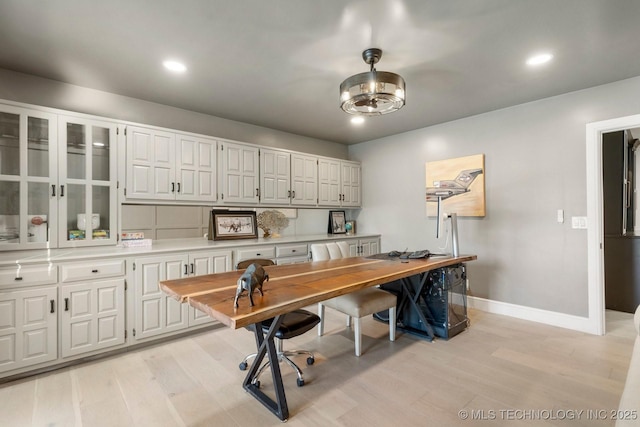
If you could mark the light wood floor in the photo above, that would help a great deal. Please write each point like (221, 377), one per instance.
(498, 369)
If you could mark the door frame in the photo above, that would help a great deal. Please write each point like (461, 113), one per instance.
(595, 216)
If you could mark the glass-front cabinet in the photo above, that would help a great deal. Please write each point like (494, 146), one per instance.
(28, 178)
(87, 182)
(57, 180)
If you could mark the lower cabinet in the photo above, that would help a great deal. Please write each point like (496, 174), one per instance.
(155, 312)
(28, 327)
(364, 247)
(92, 316)
(91, 306)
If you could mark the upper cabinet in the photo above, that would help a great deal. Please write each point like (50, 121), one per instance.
(239, 173)
(57, 180)
(339, 183)
(169, 166)
(87, 182)
(288, 178)
(28, 179)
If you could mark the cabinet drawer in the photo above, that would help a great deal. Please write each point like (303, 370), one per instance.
(291, 250)
(92, 270)
(28, 276)
(261, 252)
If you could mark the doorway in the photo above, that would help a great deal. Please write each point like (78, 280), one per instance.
(595, 217)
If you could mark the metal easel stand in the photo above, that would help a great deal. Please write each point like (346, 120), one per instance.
(266, 345)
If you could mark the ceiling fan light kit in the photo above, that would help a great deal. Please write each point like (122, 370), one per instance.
(372, 93)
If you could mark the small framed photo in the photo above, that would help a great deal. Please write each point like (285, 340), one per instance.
(232, 225)
(337, 222)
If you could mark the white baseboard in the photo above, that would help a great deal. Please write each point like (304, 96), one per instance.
(568, 321)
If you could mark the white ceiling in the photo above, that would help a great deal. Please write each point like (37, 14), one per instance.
(278, 63)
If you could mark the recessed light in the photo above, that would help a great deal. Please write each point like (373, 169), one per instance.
(357, 120)
(175, 66)
(539, 59)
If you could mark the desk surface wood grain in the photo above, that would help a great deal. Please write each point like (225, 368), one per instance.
(294, 286)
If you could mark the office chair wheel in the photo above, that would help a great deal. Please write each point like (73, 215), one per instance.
(243, 366)
(300, 382)
(310, 360)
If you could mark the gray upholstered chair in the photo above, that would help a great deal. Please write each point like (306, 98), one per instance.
(293, 324)
(357, 304)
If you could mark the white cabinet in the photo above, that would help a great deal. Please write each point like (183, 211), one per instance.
(292, 254)
(304, 180)
(92, 306)
(28, 327)
(56, 174)
(275, 177)
(170, 166)
(339, 183)
(155, 312)
(239, 173)
(87, 194)
(28, 179)
(364, 247)
(288, 178)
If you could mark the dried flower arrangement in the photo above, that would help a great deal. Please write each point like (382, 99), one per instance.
(272, 222)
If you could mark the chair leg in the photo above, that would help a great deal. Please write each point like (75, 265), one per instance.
(321, 315)
(357, 335)
(392, 323)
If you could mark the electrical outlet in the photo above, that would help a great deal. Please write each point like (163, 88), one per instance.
(579, 222)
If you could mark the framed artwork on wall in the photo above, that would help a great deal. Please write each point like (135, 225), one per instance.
(337, 222)
(457, 185)
(232, 225)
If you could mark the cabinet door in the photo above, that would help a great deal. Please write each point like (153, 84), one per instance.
(350, 178)
(195, 169)
(28, 327)
(240, 183)
(208, 262)
(275, 187)
(28, 179)
(92, 316)
(87, 197)
(329, 182)
(150, 164)
(304, 180)
(155, 312)
(369, 247)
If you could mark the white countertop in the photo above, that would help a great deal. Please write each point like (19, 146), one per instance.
(10, 258)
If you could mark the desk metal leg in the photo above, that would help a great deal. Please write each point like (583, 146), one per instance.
(266, 345)
(413, 300)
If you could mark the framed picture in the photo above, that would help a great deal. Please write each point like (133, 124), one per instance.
(337, 222)
(232, 225)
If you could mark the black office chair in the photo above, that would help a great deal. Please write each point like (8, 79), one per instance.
(293, 324)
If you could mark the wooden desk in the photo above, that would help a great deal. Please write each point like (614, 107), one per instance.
(290, 287)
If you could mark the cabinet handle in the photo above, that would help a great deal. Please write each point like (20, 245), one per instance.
(53, 190)
(289, 193)
(192, 268)
(173, 187)
(294, 194)
(52, 303)
(178, 187)
(186, 269)
(94, 271)
(62, 191)
(66, 304)
(257, 192)
(18, 278)
(293, 250)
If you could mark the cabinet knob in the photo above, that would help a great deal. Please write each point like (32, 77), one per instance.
(94, 271)
(18, 279)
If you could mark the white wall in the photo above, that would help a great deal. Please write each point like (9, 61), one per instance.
(535, 164)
